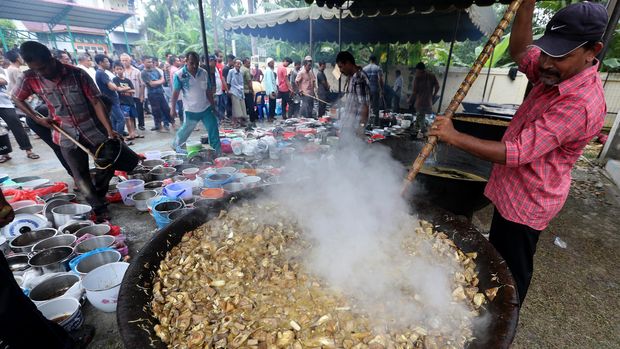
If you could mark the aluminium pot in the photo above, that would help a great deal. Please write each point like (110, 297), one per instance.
(136, 290)
(24, 242)
(54, 241)
(94, 243)
(54, 287)
(53, 260)
(70, 212)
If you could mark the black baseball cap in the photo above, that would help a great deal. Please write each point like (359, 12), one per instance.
(572, 27)
(212, 58)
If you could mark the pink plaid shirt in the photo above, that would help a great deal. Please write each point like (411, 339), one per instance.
(543, 141)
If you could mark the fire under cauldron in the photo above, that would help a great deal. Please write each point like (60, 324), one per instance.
(460, 196)
(136, 321)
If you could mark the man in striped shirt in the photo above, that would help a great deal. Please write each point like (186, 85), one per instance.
(75, 105)
(566, 108)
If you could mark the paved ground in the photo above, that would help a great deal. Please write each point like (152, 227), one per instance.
(574, 300)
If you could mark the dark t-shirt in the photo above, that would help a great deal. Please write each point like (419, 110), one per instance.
(321, 81)
(125, 98)
(102, 80)
(226, 69)
(152, 75)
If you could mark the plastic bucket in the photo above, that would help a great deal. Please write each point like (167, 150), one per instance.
(129, 187)
(102, 285)
(64, 311)
(212, 193)
(250, 181)
(116, 154)
(178, 190)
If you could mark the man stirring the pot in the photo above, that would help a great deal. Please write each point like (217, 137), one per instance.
(75, 106)
(563, 112)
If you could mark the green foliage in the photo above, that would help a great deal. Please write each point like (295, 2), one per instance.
(10, 40)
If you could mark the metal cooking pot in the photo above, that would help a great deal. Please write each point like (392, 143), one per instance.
(73, 226)
(4, 246)
(141, 198)
(54, 241)
(66, 213)
(54, 287)
(96, 230)
(18, 262)
(165, 208)
(26, 241)
(94, 243)
(161, 173)
(93, 261)
(53, 260)
(136, 290)
(32, 209)
(65, 196)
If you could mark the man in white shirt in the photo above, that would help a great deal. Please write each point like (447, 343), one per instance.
(270, 82)
(132, 73)
(237, 97)
(220, 88)
(85, 63)
(13, 71)
(193, 82)
(398, 89)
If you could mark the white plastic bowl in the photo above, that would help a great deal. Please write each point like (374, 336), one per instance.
(102, 285)
(63, 307)
(250, 181)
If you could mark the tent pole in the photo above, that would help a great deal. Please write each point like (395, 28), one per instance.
(340, 46)
(310, 20)
(613, 10)
(445, 75)
(387, 65)
(71, 38)
(126, 40)
(203, 34)
(53, 36)
(4, 45)
(486, 82)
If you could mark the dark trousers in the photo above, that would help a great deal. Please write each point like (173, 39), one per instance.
(322, 106)
(94, 189)
(516, 243)
(46, 136)
(293, 108)
(160, 109)
(307, 106)
(375, 103)
(272, 108)
(249, 106)
(22, 326)
(140, 111)
(12, 122)
(286, 102)
(228, 106)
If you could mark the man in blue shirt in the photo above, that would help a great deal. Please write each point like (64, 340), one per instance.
(108, 88)
(375, 78)
(153, 81)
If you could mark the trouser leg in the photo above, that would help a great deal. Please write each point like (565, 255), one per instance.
(12, 122)
(139, 111)
(46, 136)
(286, 97)
(180, 110)
(78, 162)
(210, 123)
(308, 106)
(516, 243)
(272, 108)
(155, 110)
(165, 112)
(184, 132)
(118, 119)
(374, 103)
(229, 106)
(249, 106)
(322, 106)
(22, 326)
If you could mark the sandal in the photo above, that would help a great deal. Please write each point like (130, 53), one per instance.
(4, 159)
(139, 136)
(33, 156)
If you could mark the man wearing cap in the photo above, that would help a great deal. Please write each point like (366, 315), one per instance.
(562, 113)
(270, 82)
(306, 81)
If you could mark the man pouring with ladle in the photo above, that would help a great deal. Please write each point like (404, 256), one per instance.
(565, 109)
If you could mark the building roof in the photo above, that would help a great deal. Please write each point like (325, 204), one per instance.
(60, 28)
(60, 12)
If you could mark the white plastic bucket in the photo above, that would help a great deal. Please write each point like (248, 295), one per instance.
(178, 190)
(102, 285)
(129, 187)
(67, 308)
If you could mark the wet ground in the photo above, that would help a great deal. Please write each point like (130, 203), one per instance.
(574, 299)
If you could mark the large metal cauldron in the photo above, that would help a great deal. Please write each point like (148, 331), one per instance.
(136, 322)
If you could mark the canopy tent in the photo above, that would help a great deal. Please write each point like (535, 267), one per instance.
(54, 12)
(434, 26)
(390, 7)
